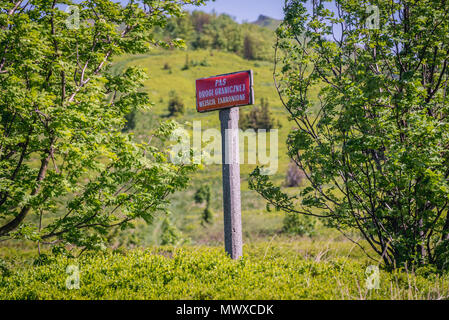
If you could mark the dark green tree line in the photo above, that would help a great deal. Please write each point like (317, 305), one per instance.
(220, 32)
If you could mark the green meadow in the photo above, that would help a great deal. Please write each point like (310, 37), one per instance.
(301, 269)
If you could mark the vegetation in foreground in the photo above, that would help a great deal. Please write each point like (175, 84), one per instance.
(277, 270)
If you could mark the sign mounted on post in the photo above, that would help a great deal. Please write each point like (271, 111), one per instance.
(224, 91)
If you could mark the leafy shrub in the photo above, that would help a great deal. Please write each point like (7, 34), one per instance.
(42, 259)
(175, 104)
(203, 195)
(202, 63)
(4, 269)
(169, 233)
(297, 224)
(258, 118)
(249, 47)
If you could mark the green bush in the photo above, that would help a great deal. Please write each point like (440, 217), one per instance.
(4, 268)
(175, 104)
(298, 224)
(207, 273)
(258, 118)
(169, 233)
(203, 195)
(202, 63)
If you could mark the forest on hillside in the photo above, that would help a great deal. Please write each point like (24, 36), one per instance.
(201, 30)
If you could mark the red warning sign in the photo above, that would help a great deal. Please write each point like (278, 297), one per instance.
(224, 91)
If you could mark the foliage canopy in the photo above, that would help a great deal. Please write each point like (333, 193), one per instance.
(375, 146)
(64, 162)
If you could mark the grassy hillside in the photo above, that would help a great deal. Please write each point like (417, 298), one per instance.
(165, 69)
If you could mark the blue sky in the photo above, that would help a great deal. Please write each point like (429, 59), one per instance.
(243, 10)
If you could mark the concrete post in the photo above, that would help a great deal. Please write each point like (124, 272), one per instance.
(229, 119)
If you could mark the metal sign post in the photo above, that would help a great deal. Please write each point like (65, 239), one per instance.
(226, 93)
